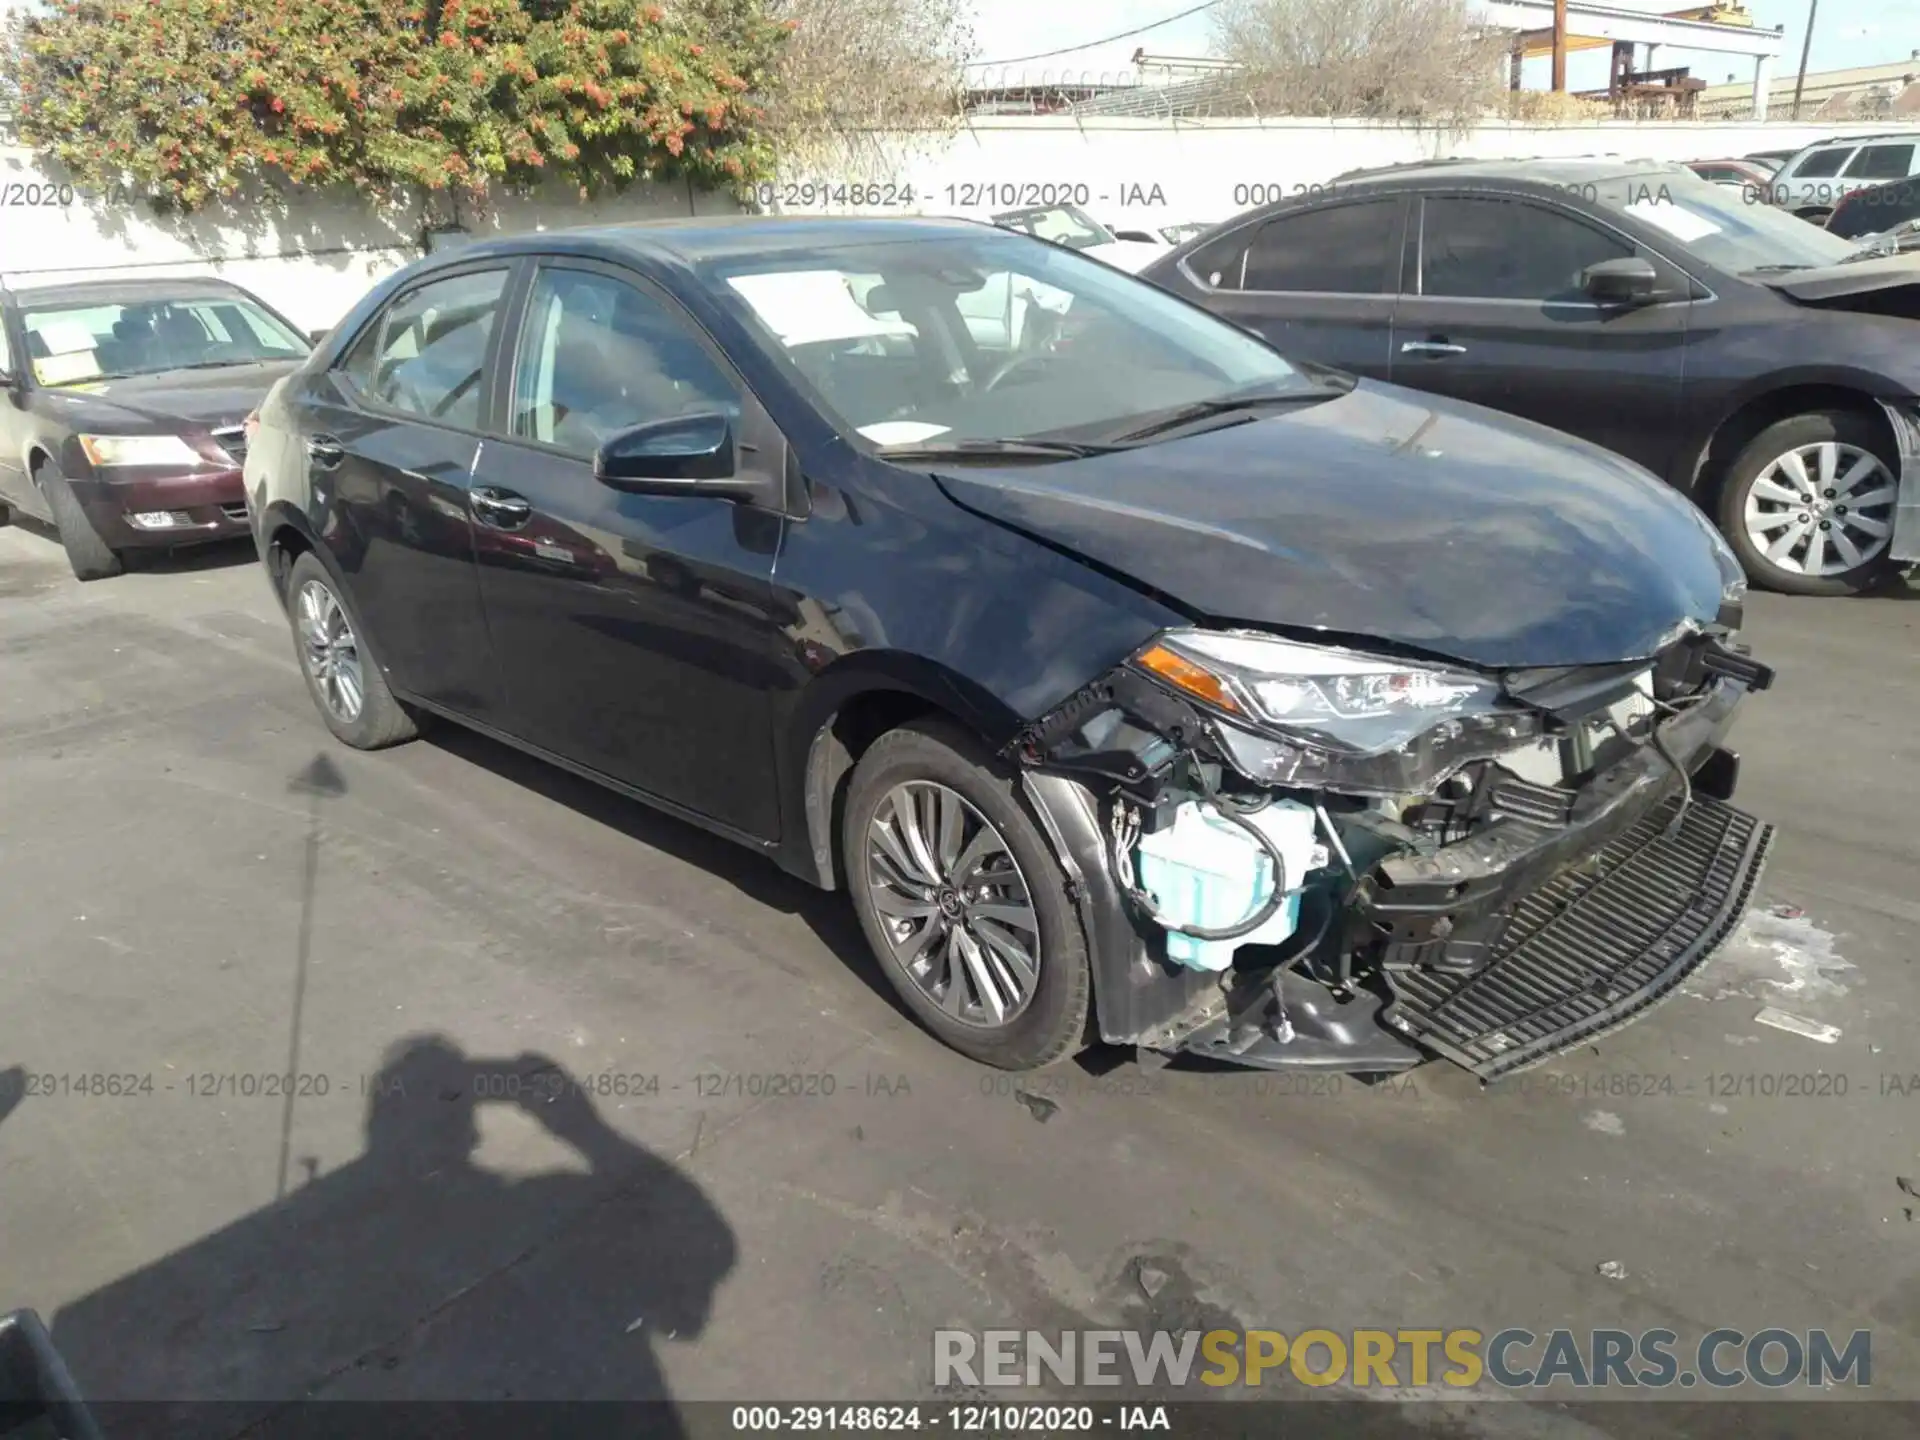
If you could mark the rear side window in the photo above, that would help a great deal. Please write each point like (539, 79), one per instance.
(1490, 249)
(1340, 250)
(426, 353)
(1822, 164)
(1881, 162)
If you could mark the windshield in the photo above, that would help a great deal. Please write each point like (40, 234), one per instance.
(1732, 229)
(1066, 225)
(73, 344)
(987, 337)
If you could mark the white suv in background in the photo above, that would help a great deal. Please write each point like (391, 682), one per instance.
(1813, 182)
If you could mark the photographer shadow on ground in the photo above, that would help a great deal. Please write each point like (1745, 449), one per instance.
(412, 1273)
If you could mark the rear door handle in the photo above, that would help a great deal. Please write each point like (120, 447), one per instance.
(324, 451)
(502, 509)
(1431, 347)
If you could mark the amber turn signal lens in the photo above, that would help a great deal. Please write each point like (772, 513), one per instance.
(1183, 674)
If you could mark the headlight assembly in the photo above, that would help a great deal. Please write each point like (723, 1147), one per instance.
(111, 450)
(1320, 717)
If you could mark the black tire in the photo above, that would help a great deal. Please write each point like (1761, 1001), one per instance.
(380, 719)
(1054, 1021)
(1782, 438)
(89, 555)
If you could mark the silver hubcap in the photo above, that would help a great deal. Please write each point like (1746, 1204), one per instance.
(1822, 509)
(953, 904)
(331, 652)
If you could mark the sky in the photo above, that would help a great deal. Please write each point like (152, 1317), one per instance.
(1847, 32)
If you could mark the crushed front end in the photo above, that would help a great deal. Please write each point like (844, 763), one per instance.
(1340, 860)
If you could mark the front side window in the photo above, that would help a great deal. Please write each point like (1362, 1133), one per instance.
(985, 337)
(1881, 162)
(1822, 165)
(599, 356)
(1341, 250)
(1482, 248)
(72, 344)
(426, 353)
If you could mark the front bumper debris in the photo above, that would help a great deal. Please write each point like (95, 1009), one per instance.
(1497, 921)
(1593, 947)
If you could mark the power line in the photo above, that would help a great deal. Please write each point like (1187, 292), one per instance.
(1089, 44)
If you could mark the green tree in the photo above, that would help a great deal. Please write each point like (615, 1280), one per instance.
(189, 100)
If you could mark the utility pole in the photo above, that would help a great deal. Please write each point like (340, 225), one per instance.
(1806, 49)
(1560, 45)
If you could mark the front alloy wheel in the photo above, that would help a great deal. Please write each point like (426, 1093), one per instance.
(956, 910)
(1809, 504)
(963, 899)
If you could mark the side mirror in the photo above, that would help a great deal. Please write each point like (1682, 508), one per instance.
(318, 337)
(686, 455)
(1630, 281)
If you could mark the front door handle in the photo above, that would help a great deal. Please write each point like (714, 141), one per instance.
(324, 451)
(1432, 347)
(502, 509)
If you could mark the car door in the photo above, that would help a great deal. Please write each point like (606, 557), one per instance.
(1316, 283)
(13, 422)
(391, 433)
(637, 633)
(1496, 314)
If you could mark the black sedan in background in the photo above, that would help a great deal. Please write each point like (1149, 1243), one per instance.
(1135, 682)
(121, 410)
(1764, 367)
(1877, 210)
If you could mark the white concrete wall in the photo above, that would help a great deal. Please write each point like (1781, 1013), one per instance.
(317, 257)
(311, 260)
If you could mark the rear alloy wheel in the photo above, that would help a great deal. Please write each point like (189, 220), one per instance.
(1809, 505)
(87, 553)
(347, 686)
(963, 901)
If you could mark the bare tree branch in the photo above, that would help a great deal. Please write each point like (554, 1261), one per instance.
(1428, 61)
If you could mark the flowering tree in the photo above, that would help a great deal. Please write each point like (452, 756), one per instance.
(190, 99)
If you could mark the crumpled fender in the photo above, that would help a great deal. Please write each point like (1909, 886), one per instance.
(1905, 543)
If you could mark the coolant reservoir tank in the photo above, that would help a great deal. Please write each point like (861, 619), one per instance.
(1206, 871)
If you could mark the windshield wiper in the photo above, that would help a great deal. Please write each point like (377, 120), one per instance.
(1224, 405)
(1010, 447)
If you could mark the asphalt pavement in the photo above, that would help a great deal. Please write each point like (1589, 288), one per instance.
(585, 1103)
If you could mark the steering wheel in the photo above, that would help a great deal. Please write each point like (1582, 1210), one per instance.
(1012, 366)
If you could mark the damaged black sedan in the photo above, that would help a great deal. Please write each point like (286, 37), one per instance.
(1138, 684)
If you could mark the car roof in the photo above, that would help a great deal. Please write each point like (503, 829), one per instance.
(695, 239)
(117, 292)
(1544, 171)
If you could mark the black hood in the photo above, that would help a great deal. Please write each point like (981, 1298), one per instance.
(1853, 277)
(208, 398)
(1385, 514)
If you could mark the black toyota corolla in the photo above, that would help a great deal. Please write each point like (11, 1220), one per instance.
(1136, 683)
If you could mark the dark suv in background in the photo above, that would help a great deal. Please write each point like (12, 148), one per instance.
(122, 410)
(1764, 367)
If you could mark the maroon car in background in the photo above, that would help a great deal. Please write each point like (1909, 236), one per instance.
(123, 406)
